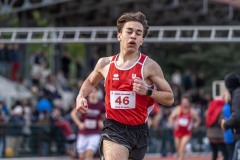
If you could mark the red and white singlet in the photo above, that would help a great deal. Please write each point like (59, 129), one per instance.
(122, 104)
(184, 122)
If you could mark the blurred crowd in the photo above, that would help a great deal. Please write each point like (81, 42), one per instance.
(10, 60)
(53, 98)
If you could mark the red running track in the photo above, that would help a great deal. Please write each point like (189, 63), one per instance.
(207, 157)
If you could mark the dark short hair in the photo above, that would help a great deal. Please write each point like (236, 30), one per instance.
(187, 96)
(232, 81)
(133, 16)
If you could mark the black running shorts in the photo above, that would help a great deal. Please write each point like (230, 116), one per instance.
(135, 138)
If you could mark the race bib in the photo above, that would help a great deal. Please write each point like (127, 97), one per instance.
(90, 123)
(183, 122)
(122, 99)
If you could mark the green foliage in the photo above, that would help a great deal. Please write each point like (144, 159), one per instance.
(76, 50)
(40, 20)
(43, 47)
(9, 20)
(214, 60)
(14, 22)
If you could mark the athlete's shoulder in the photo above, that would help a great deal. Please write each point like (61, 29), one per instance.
(150, 61)
(104, 61)
(178, 108)
(150, 64)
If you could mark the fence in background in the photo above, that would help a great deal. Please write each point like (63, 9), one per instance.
(48, 141)
(104, 34)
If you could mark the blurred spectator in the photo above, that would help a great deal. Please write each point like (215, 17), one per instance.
(2, 130)
(93, 60)
(200, 80)
(44, 134)
(14, 137)
(50, 89)
(166, 135)
(36, 74)
(24, 81)
(39, 63)
(36, 71)
(62, 81)
(187, 80)
(2, 59)
(79, 68)
(153, 124)
(177, 92)
(8, 59)
(177, 78)
(65, 128)
(101, 91)
(65, 63)
(228, 134)
(214, 131)
(44, 105)
(232, 82)
(15, 60)
(27, 116)
(76, 87)
(39, 57)
(4, 109)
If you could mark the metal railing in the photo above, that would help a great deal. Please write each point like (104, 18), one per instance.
(158, 34)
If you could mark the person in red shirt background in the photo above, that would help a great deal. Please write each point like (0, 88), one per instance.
(183, 118)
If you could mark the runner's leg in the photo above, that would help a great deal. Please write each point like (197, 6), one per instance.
(182, 146)
(112, 150)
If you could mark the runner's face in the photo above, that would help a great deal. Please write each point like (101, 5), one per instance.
(185, 103)
(131, 36)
